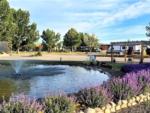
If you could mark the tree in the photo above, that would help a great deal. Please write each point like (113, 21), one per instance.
(15, 28)
(59, 45)
(82, 36)
(72, 39)
(50, 39)
(148, 30)
(91, 41)
(21, 19)
(33, 36)
(7, 27)
(4, 12)
(148, 34)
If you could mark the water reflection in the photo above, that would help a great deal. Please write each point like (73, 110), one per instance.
(7, 87)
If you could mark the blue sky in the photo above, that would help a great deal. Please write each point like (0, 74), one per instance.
(109, 20)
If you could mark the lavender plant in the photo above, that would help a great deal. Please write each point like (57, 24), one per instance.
(59, 104)
(21, 104)
(93, 97)
(139, 80)
(132, 84)
(119, 88)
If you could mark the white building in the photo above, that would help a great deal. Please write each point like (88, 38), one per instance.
(121, 47)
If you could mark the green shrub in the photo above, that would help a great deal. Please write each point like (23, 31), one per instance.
(146, 89)
(38, 54)
(86, 62)
(93, 97)
(59, 104)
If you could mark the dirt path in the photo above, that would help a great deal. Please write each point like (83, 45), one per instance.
(68, 57)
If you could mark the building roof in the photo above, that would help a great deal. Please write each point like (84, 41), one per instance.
(104, 44)
(124, 43)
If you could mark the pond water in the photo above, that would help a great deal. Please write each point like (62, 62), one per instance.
(40, 80)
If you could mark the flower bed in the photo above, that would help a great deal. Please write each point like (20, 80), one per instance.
(115, 89)
(123, 105)
(51, 104)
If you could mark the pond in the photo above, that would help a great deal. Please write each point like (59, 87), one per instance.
(39, 80)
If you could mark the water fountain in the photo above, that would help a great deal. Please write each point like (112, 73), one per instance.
(17, 66)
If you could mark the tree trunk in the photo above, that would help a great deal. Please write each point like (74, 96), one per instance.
(75, 49)
(18, 50)
(72, 49)
(112, 53)
(142, 53)
(48, 50)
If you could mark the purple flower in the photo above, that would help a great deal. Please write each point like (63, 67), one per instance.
(135, 67)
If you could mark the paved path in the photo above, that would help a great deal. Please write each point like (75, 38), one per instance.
(48, 57)
(69, 57)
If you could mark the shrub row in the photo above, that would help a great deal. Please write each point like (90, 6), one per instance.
(52, 104)
(134, 67)
(20, 104)
(130, 85)
(115, 89)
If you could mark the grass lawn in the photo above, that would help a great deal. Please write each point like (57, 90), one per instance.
(116, 69)
(46, 53)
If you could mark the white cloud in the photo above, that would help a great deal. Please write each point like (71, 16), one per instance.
(106, 13)
(85, 15)
(132, 11)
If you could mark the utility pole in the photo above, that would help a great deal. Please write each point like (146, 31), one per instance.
(142, 53)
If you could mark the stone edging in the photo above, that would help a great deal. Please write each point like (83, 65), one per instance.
(112, 107)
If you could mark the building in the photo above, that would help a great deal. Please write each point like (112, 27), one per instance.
(104, 47)
(134, 46)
